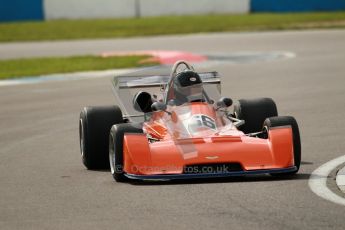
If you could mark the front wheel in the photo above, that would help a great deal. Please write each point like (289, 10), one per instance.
(254, 112)
(94, 126)
(287, 121)
(116, 135)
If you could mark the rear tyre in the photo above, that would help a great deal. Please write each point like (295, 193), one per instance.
(94, 126)
(254, 112)
(285, 121)
(117, 133)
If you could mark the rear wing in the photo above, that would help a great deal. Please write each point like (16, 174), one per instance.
(122, 82)
(125, 87)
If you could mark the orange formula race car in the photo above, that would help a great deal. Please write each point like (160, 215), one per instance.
(177, 126)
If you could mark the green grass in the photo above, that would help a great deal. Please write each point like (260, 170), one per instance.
(40, 66)
(113, 28)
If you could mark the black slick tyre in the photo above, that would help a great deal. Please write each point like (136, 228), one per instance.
(117, 133)
(94, 127)
(254, 112)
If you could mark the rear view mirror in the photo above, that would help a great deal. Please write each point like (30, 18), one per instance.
(224, 102)
(158, 106)
(142, 102)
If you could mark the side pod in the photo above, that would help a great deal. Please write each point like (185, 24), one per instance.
(136, 144)
(281, 144)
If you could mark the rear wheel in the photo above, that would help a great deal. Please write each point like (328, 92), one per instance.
(94, 126)
(254, 112)
(117, 133)
(287, 121)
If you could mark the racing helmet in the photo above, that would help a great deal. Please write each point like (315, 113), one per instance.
(188, 87)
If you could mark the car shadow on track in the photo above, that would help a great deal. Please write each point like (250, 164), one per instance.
(242, 179)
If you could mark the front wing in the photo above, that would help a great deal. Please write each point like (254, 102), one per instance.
(162, 177)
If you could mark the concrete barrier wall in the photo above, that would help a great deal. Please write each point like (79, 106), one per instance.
(73, 9)
(14, 10)
(189, 7)
(57, 9)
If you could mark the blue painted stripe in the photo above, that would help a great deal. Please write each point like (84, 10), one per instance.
(17, 10)
(296, 5)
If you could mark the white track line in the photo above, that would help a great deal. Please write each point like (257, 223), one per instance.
(66, 76)
(341, 179)
(318, 180)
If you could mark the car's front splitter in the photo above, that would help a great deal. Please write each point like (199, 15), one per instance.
(162, 177)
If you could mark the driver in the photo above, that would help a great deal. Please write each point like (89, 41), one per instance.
(187, 87)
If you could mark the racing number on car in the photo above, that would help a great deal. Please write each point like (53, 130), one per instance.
(208, 122)
(198, 122)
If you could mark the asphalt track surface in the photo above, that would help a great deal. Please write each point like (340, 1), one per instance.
(43, 184)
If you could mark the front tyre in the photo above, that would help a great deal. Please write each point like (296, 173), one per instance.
(116, 135)
(287, 121)
(254, 112)
(94, 126)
